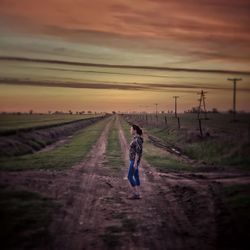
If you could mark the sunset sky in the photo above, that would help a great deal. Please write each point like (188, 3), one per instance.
(123, 55)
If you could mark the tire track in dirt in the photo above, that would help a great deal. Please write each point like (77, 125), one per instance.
(211, 177)
(48, 182)
(170, 223)
(190, 204)
(154, 233)
(177, 210)
(82, 191)
(76, 222)
(77, 190)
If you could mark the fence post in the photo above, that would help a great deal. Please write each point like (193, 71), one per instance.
(201, 133)
(166, 121)
(179, 125)
(249, 132)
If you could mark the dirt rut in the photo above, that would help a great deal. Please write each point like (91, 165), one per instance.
(164, 221)
(78, 215)
(177, 211)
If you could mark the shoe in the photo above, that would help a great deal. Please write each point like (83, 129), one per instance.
(135, 197)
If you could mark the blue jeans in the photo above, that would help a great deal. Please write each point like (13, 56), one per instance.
(133, 174)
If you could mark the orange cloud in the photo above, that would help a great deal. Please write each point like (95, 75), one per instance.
(205, 29)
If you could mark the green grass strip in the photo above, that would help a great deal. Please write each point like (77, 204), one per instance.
(16, 122)
(25, 219)
(61, 157)
(164, 164)
(114, 152)
(126, 129)
(235, 232)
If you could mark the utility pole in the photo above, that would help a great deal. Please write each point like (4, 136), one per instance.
(175, 105)
(234, 80)
(202, 103)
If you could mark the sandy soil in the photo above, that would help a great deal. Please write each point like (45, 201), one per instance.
(177, 210)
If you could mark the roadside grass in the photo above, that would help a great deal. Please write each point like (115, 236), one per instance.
(169, 135)
(14, 122)
(155, 156)
(61, 157)
(209, 151)
(220, 122)
(235, 226)
(225, 143)
(114, 153)
(164, 164)
(240, 158)
(25, 218)
(158, 158)
(224, 151)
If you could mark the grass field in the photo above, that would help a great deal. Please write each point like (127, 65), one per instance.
(25, 217)
(236, 199)
(61, 157)
(13, 122)
(223, 143)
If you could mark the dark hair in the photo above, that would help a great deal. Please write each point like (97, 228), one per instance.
(137, 128)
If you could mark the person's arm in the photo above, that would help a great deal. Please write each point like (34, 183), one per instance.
(136, 159)
(137, 154)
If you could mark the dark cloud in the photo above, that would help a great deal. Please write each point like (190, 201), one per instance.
(200, 30)
(19, 82)
(174, 69)
(182, 88)
(210, 29)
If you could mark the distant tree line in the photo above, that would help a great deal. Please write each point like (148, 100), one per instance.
(31, 112)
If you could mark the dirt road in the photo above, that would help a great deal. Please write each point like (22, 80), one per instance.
(177, 210)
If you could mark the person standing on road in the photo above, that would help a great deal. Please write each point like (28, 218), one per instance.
(135, 154)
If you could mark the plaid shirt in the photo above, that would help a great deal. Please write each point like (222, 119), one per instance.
(136, 147)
